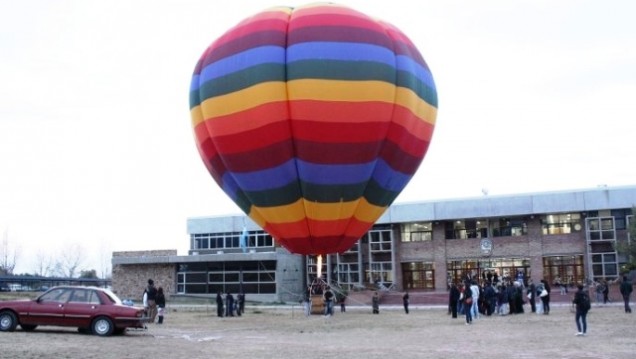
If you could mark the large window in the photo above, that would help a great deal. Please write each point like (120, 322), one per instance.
(417, 232)
(601, 229)
(380, 273)
(604, 266)
(564, 270)
(418, 275)
(514, 226)
(348, 275)
(379, 240)
(256, 277)
(564, 223)
(501, 269)
(231, 240)
(465, 229)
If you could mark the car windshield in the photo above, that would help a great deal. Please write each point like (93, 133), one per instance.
(113, 297)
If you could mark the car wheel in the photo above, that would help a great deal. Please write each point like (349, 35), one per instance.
(28, 327)
(8, 321)
(103, 326)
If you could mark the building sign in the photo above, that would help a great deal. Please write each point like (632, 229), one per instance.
(486, 246)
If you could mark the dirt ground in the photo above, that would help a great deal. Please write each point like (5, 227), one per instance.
(283, 332)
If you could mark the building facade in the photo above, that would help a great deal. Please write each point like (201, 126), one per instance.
(566, 236)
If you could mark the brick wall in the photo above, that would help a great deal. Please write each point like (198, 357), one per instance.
(534, 246)
(129, 280)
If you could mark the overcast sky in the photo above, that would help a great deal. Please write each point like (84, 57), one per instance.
(96, 147)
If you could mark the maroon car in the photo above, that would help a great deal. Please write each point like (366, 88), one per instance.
(90, 309)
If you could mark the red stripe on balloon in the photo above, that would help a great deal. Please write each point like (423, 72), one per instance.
(330, 132)
(253, 139)
(249, 119)
(341, 111)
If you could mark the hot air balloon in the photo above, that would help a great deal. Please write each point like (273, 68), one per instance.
(312, 120)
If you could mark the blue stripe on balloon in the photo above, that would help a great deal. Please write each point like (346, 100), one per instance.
(273, 177)
(388, 178)
(230, 187)
(335, 174)
(238, 62)
(405, 63)
(345, 51)
(320, 174)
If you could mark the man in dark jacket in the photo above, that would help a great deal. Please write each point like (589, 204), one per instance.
(532, 295)
(219, 304)
(626, 291)
(453, 299)
(582, 302)
(151, 296)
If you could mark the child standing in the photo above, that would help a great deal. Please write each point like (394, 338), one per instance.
(161, 304)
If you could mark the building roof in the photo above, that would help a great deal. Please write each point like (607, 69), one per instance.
(582, 200)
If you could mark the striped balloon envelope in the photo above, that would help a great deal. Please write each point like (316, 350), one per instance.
(313, 119)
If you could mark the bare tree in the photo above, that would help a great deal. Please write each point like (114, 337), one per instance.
(105, 255)
(44, 264)
(69, 261)
(8, 255)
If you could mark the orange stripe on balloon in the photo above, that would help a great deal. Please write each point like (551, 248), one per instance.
(248, 120)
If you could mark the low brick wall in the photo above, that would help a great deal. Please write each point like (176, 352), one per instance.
(129, 280)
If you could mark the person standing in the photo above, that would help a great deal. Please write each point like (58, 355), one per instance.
(307, 302)
(582, 303)
(405, 301)
(545, 299)
(468, 299)
(532, 295)
(476, 291)
(150, 300)
(328, 297)
(453, 299)
(343, 307)
(219, 304)
(626, 291)
(161, 305)
(375, 303)
(229, 305)
(240, 307)
(599, 288)
(605, 292)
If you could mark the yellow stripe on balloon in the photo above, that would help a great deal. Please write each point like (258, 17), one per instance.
(253, 96)
(361, 209)
(293, 212)
(196, 116)
(422, 109)
(368, 212)
(338, 90)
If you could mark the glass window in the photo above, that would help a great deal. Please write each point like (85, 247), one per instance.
(418, 275)
(564, 223)
(379, 240)
(506, 227)
(601, 229)
(417, 232)
(466, 229)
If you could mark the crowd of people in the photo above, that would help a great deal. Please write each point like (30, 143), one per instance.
(228, 306)
(471, 298)
(474, 299)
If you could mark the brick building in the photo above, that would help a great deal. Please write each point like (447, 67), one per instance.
(567, 236)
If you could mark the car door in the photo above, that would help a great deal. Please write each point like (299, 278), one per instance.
(48, 309)
(81, 307)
